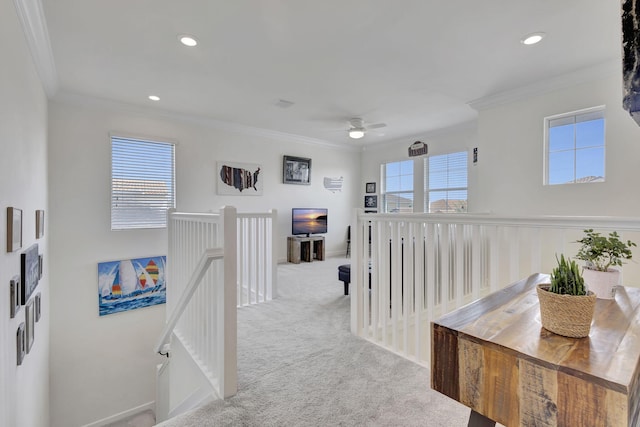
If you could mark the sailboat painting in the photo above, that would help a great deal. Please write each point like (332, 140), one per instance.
(130, 284)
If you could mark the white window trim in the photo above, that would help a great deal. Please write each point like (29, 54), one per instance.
(383, 185)
(545, 130)
(146, 139)
(427, 190)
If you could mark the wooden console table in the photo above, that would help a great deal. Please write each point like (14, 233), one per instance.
(305, 248)
(494, 357)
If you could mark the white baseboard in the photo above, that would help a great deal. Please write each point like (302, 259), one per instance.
(123, 415)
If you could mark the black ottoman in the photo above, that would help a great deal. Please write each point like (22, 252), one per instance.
(344, 274)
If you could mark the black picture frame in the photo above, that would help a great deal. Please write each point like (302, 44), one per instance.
(29, 271)
(296, 170)
(370, 187)
(370, 201)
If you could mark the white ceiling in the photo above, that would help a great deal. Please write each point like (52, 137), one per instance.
(412, 64)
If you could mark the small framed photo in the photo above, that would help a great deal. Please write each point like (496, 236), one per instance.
(30, 320)
(371, 187)
(20, 345)
(39, 223)
(14, 295)
(370, 201)
(14, 229)
(38, 299)
(296, 170)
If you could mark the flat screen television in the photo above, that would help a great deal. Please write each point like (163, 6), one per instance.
(309, 221)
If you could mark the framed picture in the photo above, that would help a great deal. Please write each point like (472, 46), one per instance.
(14, 295)
(30, 272)
(30, 320)
(40, 263)
(371, 187)
(370, 201)
(20, 347)
(131, 284)
(296, 170)
(38, 299)
(39, 223)
(239, 179)
(14, 229)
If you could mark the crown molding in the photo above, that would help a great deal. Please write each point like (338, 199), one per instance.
(547, 85)
(87, 101)
(34, 26)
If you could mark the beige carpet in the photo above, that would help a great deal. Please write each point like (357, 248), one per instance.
(299, 365)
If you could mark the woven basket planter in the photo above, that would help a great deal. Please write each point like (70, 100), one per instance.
(566, 315)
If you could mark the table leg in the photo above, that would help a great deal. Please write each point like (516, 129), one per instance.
(479, 420)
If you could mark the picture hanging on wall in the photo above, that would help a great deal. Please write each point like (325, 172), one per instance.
(39, 224)
(370, 201)
(239, 179)
(371, 187)
(30, 320)
(29, 271)
(14, 229)
(296, 170)
(20, 347)
(14, 296)
(38, 299)
(130, 284)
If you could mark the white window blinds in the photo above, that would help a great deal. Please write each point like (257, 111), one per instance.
(142, 183)
(446, 183)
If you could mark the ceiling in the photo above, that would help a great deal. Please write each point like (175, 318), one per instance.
(414, 65)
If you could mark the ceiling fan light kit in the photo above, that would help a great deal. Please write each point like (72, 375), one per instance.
(356, 133)
(357, 128)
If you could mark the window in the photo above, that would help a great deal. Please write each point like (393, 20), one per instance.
(398, 186)
(575, 147)
(142, 183)
(446, 183)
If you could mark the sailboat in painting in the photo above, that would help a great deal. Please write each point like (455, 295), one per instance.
(130, 284)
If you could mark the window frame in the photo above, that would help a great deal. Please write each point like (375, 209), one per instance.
(384, 191)
(601, 109)
(427, 190)
(140, 223)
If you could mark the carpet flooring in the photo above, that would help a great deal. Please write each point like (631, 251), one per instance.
(299, 365)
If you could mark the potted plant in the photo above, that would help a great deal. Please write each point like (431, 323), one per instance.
(566, 306)
(601, 254)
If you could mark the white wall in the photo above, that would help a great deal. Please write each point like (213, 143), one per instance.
(105, 365)
(509, 173)
(24, 390)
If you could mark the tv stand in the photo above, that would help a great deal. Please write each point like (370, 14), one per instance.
(305, 248)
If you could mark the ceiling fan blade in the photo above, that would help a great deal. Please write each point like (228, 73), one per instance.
(377, 126)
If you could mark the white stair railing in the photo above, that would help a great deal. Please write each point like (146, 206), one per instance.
(425, 265)
(257, 262)
(215, 263)
(201, 294)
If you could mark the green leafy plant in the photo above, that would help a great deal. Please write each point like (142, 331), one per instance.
(602, 252)
(566, 278)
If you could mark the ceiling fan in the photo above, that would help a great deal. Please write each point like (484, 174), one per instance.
(357, 128)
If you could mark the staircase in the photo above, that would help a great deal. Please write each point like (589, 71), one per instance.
(215, 262)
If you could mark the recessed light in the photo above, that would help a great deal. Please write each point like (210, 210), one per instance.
(532, 38)
(188, 40)
(154, 98)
